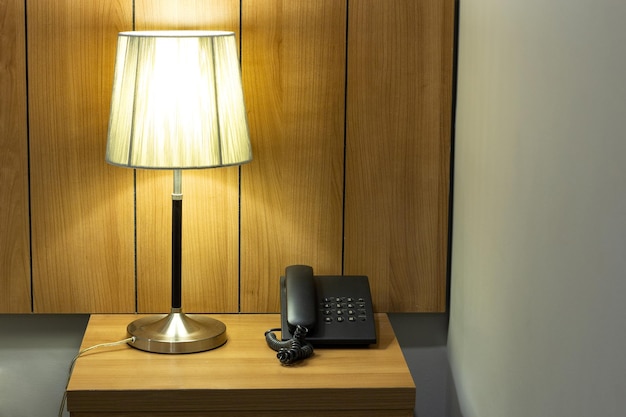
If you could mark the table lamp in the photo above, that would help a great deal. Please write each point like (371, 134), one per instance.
(177, 103)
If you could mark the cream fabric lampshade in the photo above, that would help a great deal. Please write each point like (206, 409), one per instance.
(177, 101)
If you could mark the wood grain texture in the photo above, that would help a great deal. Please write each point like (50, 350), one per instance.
(82, 209)
(211, 197)
(293, 57)
(398, 150)
(239, 378)
(14, 222)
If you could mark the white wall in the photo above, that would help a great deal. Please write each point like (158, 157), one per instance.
(538, 292)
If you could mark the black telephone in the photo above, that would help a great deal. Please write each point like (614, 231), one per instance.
(336, 310)
(318, 310)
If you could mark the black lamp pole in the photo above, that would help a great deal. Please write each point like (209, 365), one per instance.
(177, 233)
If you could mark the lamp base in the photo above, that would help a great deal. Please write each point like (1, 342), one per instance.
(177, 332)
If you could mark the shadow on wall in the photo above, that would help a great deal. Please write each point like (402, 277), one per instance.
(423, 339)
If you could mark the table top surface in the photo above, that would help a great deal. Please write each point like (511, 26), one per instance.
(242, 378)
(244, 362)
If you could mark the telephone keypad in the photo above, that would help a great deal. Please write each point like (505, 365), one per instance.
(340, 309)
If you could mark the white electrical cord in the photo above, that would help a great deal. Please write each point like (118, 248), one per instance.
(101, 345)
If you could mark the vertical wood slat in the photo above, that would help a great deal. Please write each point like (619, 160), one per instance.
(14, 222)
(82, 209)
(293, 63)
(211, 197)
(398, 150)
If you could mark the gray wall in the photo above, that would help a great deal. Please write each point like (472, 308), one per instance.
(423, 339)
(35, 355)
(538, 309)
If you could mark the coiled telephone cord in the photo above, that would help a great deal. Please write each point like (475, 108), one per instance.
(292, 350)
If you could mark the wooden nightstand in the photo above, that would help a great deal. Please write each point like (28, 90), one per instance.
(243, 378)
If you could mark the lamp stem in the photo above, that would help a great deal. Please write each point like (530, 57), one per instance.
(177, 233)
(177, 332)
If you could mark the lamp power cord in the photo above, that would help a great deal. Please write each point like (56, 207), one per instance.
(73, 362)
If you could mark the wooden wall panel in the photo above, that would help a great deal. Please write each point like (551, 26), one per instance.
(14, 223)
(365, 80)
(211, 197)
(82, 208)
(293, 58)
(398, 150)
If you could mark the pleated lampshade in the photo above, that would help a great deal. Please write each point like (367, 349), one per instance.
(177, 102)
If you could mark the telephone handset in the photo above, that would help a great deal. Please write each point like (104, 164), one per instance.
(300, 304)
(321, 310)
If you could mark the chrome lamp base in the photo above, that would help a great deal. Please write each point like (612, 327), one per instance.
(177, 332)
